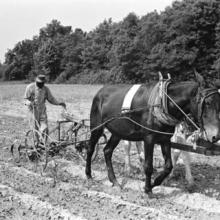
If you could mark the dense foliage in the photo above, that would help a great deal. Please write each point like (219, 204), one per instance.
(184, 37)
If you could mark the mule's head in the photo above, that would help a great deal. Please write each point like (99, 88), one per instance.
(208, 110)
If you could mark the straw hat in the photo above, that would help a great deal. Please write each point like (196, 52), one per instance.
(41, 78)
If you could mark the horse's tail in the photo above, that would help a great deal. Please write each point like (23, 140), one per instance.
(96, 131)
(96, 113)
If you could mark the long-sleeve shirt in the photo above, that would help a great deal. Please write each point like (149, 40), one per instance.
(38, 97)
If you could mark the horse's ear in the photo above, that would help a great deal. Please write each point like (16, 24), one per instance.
(199, 79)
(160, 76)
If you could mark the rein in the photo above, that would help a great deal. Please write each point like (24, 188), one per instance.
(192, 122)
(119, 116)
(200, 107)
(200, 112)
(133, 121)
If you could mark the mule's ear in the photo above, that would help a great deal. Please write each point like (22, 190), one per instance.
(199, 79)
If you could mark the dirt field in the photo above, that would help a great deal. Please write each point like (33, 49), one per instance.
(28, 193)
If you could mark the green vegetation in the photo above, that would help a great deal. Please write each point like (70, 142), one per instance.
(184, 37)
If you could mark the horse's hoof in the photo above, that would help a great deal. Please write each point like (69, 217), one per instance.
(117, 189)
(117, 186)
(191, 187)
(89, 177)
(89, 180)
(150, 195)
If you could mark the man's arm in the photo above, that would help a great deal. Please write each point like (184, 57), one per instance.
(28, 92)
(51, 99)
(28, 96)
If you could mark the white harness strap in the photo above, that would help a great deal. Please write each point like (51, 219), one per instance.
(126, 105)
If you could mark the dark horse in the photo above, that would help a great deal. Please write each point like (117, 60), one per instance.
(203, 104)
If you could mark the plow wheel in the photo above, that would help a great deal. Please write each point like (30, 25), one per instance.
(34, 150)
(16, 151)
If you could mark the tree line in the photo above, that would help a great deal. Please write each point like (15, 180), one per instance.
(184, 37)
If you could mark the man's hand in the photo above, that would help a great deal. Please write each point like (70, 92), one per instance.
(63, 104)
(29, 104)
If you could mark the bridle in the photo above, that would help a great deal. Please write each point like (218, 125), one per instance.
(201, 95)
(200, 98)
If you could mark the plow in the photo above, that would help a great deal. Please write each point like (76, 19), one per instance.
(203, 147)
(68, 132)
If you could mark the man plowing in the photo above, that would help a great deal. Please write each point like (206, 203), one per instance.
(36, 95)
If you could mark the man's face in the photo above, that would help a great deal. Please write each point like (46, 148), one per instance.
(40, 84)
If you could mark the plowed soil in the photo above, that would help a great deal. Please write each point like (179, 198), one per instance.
(28, 192)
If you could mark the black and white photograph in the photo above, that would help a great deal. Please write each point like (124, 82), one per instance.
(110, 110)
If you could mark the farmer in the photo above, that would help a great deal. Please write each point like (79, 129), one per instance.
(35, 97)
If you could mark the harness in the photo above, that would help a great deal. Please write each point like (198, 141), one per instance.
(160, 110)
(158, 102)
(201, 96)
(126, 105)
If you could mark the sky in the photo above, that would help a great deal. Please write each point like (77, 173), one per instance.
(22, 19)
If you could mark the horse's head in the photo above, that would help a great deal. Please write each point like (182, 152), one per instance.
(208, 110)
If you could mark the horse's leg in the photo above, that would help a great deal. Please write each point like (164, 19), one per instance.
(108, 150)
(127, 167)
(140, 151)
(175, 156)
(95, 135)
(166, 151)
(186, 160)
(148, 164)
